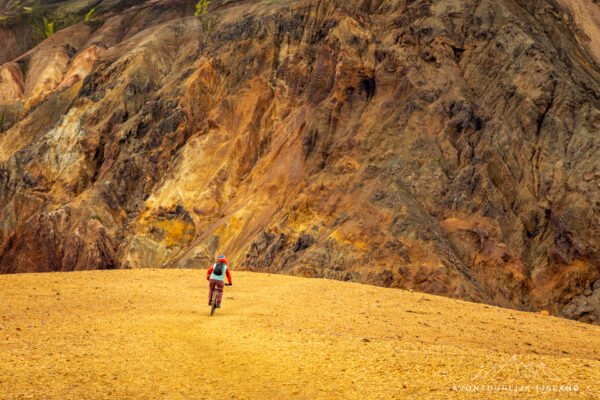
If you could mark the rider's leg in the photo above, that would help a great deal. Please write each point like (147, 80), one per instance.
(220, 285)
(211, 288)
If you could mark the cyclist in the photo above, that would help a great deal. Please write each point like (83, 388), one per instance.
(216, 276)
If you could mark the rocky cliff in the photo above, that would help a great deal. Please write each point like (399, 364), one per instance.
(451, 146)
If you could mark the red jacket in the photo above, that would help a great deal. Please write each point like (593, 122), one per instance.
(226, 273)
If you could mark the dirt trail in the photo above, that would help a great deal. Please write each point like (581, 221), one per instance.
(146, 334)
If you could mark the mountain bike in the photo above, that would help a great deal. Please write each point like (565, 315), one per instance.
(214, 299)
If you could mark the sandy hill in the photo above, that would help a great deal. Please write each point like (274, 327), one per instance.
(146, 334)
(445, 146)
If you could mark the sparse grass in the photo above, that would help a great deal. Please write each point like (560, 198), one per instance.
(139, 14)
(95, 23)
(44, 19)
(210, 22)
(97, 218)
(40, 25)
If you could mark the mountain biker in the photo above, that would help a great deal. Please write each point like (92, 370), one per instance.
(215, 275)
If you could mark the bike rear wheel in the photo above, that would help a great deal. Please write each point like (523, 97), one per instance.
(214, 301)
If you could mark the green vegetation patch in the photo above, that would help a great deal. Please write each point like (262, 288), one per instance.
(48, 28)
(202, 7)
(88, 16)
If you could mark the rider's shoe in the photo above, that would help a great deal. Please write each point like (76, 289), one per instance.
(219, 305)
(210, 303)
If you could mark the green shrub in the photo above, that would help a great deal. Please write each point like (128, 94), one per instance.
(48, 28)
(92, 21)
(89, 15)
(202, 7)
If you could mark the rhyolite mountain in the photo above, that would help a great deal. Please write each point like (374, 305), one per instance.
(450, 146)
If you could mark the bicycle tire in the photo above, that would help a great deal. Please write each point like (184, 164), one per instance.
(214, 302)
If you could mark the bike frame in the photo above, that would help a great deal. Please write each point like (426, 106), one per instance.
(214, 300)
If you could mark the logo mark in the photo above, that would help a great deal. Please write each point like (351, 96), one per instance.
(523, 370)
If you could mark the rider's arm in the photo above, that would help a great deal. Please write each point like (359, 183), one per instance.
(209, 272)
(228, 276)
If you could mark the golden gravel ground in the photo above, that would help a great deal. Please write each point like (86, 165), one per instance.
(146, 334)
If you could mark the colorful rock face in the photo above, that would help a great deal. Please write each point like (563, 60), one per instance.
(446, 146)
